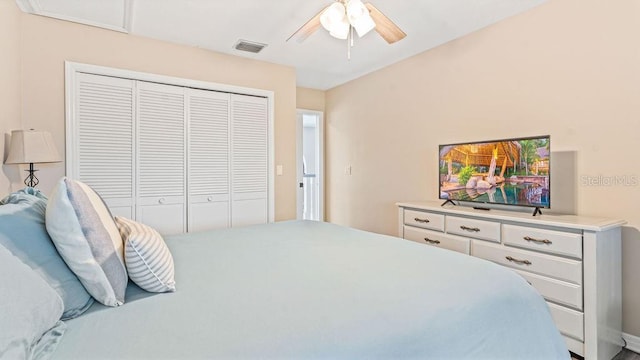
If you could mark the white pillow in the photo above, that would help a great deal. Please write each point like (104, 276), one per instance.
(30, 311)
(83, 231)
(148, 259)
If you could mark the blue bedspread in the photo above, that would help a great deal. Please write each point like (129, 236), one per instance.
(301, 289)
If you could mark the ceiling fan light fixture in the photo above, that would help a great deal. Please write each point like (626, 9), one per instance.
(332, 15)
(343, 18)
(363, 25)
(359, 17)
(340, 30)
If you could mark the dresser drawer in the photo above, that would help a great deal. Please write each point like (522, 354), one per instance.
(543, 264)
(555, 242)
(555, 290)
(423, 219)
(450, 242)
(569, 322)
(479, 229)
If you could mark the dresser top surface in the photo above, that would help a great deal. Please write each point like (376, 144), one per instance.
(568, 221)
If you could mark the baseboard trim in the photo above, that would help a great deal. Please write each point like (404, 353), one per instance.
(633, 342)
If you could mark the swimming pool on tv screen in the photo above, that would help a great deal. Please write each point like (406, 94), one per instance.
(511, 194)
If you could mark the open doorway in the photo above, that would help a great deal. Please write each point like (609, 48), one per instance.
(310, 165)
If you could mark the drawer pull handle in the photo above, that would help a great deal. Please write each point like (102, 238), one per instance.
(431, 241)
(474, 229)
(161, 201)
(512, 259)
(543, 241)
(421, 220)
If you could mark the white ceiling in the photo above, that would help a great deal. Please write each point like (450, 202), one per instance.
(320, 62)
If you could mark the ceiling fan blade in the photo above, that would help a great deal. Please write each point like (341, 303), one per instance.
(308, 28)
(384, 26)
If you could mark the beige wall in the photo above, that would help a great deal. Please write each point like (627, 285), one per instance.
(568, 68)
(9, 90)
(310, 99)
(46, 43)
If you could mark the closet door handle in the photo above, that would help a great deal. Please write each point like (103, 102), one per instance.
(210, 199)
(431, 241)
(539, 241)
(474, 229)
(162, 201)
(518, 261)
(424, 221)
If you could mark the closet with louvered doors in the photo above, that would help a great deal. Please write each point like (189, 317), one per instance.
(175, 158)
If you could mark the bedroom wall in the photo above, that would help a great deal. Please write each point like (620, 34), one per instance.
(46, 43)
(310, 99)
(568, 68)
(9, 91)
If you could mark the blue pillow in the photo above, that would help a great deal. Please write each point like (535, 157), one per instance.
(30, 312)
(23, 232)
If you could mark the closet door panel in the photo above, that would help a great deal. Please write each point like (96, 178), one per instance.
(103, 139)
(208, 174)
(165, 217)
(161, 154)
(208, 215)
(249, 160)
(249, 211)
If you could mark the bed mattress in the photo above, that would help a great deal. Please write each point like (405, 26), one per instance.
(302, 289)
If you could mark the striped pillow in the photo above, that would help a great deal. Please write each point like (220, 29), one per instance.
(149, 262)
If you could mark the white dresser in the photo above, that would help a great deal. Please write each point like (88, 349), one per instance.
(573, 261)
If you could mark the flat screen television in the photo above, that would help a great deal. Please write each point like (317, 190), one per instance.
(508, 172)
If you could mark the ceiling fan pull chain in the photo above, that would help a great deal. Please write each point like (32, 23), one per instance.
(349, 44)
(351, 32)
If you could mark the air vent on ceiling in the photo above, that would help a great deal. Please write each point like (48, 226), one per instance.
(249, 46)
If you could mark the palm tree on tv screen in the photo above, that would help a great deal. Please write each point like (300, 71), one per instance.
(527, 153)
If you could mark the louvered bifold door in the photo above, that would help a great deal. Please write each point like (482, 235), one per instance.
(208, 157)
(161, 157)
(101, 139)
(249, 160)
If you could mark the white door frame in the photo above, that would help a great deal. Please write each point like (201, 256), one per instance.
(319, 161)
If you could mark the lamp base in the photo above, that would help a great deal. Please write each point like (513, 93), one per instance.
(31, 179)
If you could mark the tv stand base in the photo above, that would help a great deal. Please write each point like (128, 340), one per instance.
(448, 201)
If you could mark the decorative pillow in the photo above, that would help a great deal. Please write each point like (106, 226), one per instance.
(148, 260)
(22, 231)
(30, 312)
(88, 240)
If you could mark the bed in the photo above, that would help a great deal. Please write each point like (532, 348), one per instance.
(302, 289)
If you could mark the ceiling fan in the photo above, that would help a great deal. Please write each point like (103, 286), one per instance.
(343, 17)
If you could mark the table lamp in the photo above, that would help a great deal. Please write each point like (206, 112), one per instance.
(32, 147)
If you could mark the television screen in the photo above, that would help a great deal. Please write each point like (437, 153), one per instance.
(509, 172)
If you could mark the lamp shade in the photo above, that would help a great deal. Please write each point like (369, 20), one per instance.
(32, 146)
